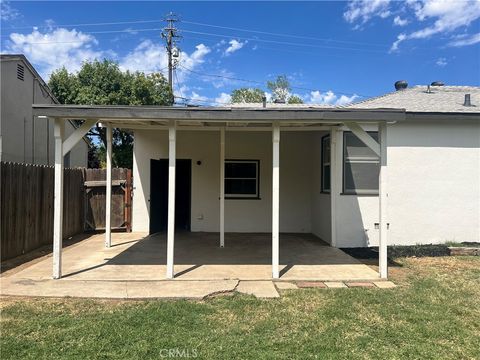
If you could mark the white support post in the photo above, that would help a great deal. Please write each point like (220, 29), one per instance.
(222, 187)
(276, 201)
(171, 197)
(383, 195)
(334, 184)
(108, 185)
(59, 129)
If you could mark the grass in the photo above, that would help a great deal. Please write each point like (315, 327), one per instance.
(433, 314)
(462, 244)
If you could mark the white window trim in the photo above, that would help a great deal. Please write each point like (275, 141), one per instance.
(232, 196)
(357, 160)
(324, 164)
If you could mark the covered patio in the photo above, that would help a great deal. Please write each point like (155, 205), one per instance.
(137, 257)
(208, 255)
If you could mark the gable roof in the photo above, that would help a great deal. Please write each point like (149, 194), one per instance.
(420, 98)
(23, 58)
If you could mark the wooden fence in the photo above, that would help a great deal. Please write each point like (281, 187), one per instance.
(26, 204)
(95, 181)
(26, 198)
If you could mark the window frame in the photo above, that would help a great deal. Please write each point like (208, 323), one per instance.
(255, 196)
(324, 164)
(365, 160)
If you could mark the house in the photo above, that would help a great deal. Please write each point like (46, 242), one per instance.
(23, 140)
(403, 168)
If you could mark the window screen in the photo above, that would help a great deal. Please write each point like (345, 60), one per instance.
(360, 166)
(241, 179)
(326, 164)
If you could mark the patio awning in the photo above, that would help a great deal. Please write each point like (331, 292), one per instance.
(221, 119)
(155, 116)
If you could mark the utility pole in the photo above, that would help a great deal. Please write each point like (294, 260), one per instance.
(170, 35)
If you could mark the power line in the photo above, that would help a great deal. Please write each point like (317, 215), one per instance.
(283, 35)
(88, 24)
(197, 24)
(132, 31)
(281, 42)
(263, 83)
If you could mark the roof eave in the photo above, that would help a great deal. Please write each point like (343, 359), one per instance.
(215, 114)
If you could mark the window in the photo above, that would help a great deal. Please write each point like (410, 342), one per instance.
(361, 166)
(326, 164)
(241, 179)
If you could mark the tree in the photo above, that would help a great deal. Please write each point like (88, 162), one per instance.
(247, 95)
(280, 88)
(281, 91)
(295, 99)
(103, 83)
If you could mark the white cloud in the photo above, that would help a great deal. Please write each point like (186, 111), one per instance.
(465, 40)
(197, 98)
(344, 100)
(8, 13)
(330, 98)
(441, 62)
(149, 56)
(55, 48)
(397, 42)
(223, 98)
(398, 21)
(364, 10)
(448, 16)
(235, 45)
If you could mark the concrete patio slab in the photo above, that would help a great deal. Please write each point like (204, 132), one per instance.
(335, 284)
(136, 260)
(116, 289)
(360, 284)
(260, 289)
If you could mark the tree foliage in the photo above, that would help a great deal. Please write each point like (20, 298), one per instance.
(104, 83)
(281, 91)
(280, 88)
(247, 95)
(294, 99)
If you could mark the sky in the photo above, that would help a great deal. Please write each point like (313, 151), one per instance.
(333, 52)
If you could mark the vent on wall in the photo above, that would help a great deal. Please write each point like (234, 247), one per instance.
(20, 72)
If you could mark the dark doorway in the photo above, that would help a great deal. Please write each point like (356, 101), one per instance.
(159, 194)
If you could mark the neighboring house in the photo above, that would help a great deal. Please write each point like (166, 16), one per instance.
(404, 166)
(23, 140)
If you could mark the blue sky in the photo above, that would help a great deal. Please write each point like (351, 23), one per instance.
(333, 52)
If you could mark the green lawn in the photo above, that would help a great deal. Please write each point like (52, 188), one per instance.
(434, 313)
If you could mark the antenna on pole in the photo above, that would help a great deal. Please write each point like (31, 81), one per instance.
(170, 34)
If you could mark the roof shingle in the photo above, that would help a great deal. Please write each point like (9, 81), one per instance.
(419, 99)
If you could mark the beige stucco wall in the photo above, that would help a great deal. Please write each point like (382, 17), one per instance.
(433, 188)
(23, 138)
(240, 215)
(433, 184)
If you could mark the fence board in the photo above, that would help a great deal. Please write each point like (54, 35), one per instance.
(26, 193)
